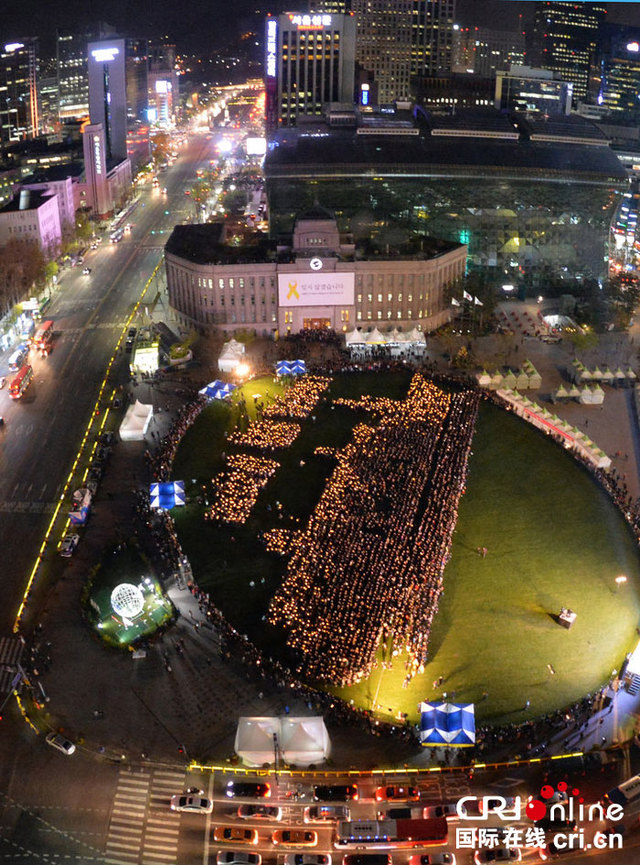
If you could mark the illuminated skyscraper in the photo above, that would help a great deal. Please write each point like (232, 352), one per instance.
(118, 96)
(72, 69)
(401, 39)
(617, 78)
(310, 62)
(19, 110)
(565, 36)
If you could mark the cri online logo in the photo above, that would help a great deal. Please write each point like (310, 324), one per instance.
(536, 809)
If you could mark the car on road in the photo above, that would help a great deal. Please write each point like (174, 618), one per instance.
(60, 743)
(248, 790)
(86, 271)
(294, 838)
(237, 857)
(397, 791)
(307, 859)
(556, 824)
(433, 859)
(445, 809)
(260, 812)
(335, 793)
(68, 545)
(497, 854)
(552, 851)
(489, 805)
(367, 859)
(235, 835)
(323, 813)
(194, 803)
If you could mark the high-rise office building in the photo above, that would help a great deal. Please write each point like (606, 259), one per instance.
(398, 40)
(72, 69)
(163, 83)
(564, 40)
(118, 96)
(484, 51)
(19, 108)
(383, 44)
(617, 76)
(332, 7)
(431, 36)
(310, 62)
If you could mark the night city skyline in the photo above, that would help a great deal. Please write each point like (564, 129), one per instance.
(188, 25)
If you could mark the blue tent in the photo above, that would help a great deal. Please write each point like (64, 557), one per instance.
(448, 724)
(217, 390)
(298, 367)
(168, 495)
(283, 367)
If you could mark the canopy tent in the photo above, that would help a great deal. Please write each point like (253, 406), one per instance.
(254, 740)
(304, 741)
(136, 422)
(168, 495)
(299, 741)
(396, 341)
(450, 724)
(231, 355)
(217, 389)
(291, 367)
(355, 337)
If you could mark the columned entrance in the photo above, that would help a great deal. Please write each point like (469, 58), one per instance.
(316, 323)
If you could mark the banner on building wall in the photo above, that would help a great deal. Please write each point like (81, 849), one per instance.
(316, 289)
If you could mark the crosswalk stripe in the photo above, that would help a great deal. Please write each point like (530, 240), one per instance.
(168, 856)
(129, 846)
(155, 831)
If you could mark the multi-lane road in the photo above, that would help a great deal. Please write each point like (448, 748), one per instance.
(42, 430)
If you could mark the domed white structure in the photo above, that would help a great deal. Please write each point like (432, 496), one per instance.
(127, 600)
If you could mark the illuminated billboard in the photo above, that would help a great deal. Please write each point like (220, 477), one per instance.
(272, 40)
(316, 289)
(256, 146)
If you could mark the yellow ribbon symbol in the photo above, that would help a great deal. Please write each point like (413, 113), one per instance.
(293, 291)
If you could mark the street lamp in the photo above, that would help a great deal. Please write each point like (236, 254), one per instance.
(620, 581)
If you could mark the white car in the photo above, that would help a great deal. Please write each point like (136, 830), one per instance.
(433, 859)
(237, 857)
(68, 545)
(188, 802)
(60, 743)
(445, 809)
(307, 859)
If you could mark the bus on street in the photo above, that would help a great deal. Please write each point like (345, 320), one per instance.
(43, 337)
(21, 382)
(391, 834)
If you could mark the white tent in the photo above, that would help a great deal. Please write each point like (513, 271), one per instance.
(231, 355)
(355, 337)
(300, 741)
(136, 422)
(304, 741)
(254, 740)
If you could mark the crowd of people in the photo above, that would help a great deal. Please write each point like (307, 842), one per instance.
(299, 400)
(236, 490)
(161, 459)
(266, 435)
(369, 565)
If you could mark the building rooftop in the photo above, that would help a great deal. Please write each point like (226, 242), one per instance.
(54, 173)
(204, 244)
(573, 152)
(36, 199)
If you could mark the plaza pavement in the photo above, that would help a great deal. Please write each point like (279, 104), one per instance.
(152, 714)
